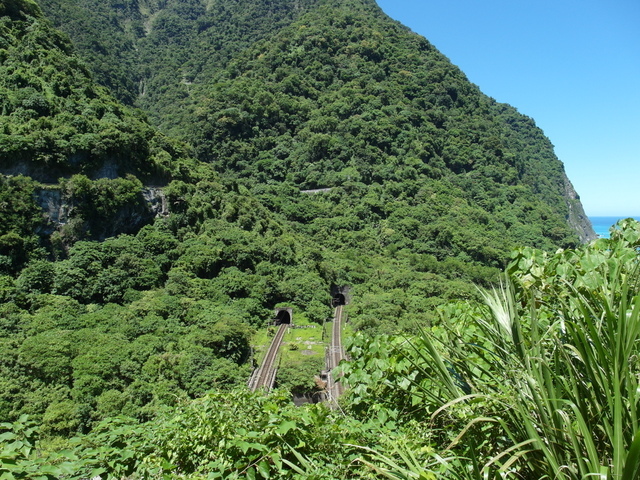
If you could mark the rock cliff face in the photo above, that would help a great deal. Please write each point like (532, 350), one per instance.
(55, 210)
(577, 218)
(44, 173)
(59, 212)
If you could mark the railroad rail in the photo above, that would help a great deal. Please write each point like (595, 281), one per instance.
(334, 355)
(265, 375)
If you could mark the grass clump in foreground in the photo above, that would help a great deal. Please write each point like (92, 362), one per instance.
(542, 382)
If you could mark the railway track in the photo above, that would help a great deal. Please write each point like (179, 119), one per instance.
(336, 354)
(265, 375)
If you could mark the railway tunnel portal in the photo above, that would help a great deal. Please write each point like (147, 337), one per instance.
(340, 295)
(283, 316)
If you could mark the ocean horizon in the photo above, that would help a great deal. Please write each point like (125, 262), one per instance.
(601, 225)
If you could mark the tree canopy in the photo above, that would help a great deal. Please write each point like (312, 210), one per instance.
(173, 170)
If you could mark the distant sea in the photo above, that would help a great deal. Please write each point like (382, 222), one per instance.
(601, 225)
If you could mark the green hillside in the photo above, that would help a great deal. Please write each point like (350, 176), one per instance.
(173, 170)
(86, 322)
(342, 93)
(55, 120)
(346, 97)
(156, 53)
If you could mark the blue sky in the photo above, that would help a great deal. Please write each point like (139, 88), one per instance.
(571, 65)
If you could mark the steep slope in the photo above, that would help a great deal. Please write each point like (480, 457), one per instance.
(94, 322)
(346, 95)
(56, 121)
(344, 98)
(154, 53)
(364, 79)
(419, 159)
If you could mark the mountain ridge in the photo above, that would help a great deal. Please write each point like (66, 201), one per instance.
(348, 95)
(415, 93)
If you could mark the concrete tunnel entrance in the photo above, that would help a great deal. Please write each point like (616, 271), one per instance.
(283, 315)
(340, 295)
(339, 300)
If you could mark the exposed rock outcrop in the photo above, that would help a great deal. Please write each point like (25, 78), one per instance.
(58, 211)
(577, 218)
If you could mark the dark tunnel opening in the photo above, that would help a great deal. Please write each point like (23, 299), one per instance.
(283, 316)
(339, 299)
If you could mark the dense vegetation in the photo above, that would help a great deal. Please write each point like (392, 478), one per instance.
(156, 53)
(127, 330)
(54, 119)
(173, 305)
(539, 382)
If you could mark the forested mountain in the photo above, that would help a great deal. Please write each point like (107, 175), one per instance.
(153, 53)
(343, 92)
(94, 328)
(173, 170)
(56, 120)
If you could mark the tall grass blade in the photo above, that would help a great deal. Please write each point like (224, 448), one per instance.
(631, 470)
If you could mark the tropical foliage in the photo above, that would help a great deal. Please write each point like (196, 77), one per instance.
(321, 145)
(542, 382)
(538, 382)
(55, 120)
(156, 54)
